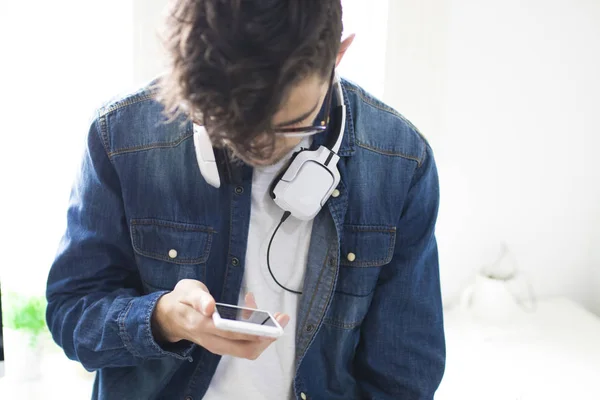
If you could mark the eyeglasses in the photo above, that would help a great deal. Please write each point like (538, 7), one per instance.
(305, 131)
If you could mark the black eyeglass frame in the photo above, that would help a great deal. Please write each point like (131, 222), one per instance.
(304, 131)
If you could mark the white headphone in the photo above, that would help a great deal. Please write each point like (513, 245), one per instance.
(302, 187)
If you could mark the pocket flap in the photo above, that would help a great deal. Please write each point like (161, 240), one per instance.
(367, 246)
(173, 242)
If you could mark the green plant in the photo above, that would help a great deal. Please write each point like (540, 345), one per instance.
(26, 314)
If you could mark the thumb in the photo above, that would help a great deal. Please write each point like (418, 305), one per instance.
(195, 294)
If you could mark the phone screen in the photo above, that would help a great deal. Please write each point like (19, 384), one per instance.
(239, 314)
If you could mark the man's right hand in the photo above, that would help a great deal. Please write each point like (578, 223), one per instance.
(186, 314)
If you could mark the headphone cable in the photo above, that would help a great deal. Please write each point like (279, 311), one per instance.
(285, 216)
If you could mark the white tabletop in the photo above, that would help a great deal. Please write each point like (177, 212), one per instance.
(553, 353)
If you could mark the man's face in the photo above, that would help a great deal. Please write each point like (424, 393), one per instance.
(301, 109)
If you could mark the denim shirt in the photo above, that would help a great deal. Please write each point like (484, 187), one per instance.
(368, 326)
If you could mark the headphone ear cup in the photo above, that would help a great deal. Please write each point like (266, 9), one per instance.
(281, 173)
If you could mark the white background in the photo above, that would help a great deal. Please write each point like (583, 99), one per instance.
(516, 146)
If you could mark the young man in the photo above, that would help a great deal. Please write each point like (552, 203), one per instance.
(155, 236)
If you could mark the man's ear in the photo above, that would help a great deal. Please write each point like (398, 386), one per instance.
(343, 47)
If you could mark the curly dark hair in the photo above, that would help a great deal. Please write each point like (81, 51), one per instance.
(233, 62)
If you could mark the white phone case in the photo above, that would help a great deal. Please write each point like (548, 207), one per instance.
(247, 327)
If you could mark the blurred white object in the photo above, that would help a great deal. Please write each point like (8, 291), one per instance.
(505, 266)
(552, 353)
(491, 299)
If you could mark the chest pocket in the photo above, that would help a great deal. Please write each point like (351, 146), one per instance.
(167, 252)
(363, 250)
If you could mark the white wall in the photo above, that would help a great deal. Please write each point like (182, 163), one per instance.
(415, 62)
(518, 130)
(364, 62)
(62, 59)
(148, 54)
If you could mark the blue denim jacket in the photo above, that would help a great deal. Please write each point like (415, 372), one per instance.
(367, 328)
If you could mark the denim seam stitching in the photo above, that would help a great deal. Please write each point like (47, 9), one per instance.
(379, 262)
(149, 337)
(175, 225)
(183, 261)
(371, 228)
(229, 255)
(386, 109)
(324, 267)
(322, 319)
(339, 324)
(134, 99)
(423, 156)
(162, 145)
(374, 104)
(104, 135)
(389, 152)
(123, 330)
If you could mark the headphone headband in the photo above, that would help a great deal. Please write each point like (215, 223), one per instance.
(339, 115)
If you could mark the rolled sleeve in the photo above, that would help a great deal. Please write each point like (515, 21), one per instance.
(135, 329)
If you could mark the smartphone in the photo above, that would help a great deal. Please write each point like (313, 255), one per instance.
(246, 320)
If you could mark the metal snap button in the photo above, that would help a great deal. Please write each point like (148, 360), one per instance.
(351, 257)
(336, 193)
(173, 253)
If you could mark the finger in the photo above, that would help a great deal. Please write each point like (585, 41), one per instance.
(200, 300)
(250, 303)
(250, 350)
(283, 319)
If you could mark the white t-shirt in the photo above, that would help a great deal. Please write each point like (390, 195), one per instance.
(271, 375)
